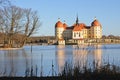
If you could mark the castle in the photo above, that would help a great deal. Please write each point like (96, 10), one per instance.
(78, 32)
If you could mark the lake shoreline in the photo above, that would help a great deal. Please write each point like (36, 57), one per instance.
(10, 48)
(71, 44)
(35, 44)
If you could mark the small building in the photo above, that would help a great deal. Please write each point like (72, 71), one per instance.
(61, 42)
(80, 41)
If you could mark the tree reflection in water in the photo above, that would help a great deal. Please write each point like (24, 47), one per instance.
(14, 62)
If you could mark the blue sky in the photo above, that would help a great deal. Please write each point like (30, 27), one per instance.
(106, 11)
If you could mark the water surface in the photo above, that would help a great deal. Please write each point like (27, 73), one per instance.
(50, 60)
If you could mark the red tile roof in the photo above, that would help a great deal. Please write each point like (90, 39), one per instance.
(70, 27)
(59, 24)
(95, 23)
(79, 27)
(65, 25)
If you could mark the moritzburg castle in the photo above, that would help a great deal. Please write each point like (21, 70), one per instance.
(78, 32)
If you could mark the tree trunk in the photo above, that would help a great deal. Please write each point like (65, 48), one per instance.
(23, 42)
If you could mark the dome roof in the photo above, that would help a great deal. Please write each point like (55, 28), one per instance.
(95, 23)
(59, 24)
(65, 25)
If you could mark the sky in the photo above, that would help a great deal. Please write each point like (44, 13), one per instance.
(107, 13)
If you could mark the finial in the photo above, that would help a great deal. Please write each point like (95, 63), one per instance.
(64, 21)
(58, 19)
(95, 18)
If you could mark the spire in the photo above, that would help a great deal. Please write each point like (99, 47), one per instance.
(77, 20)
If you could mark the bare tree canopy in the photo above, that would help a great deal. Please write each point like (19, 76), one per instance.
(18, 24)
(4, 2)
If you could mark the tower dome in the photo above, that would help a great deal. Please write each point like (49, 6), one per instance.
(65, 25)
(59, 24)
(95, 23)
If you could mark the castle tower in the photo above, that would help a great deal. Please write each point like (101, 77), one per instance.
(96, 29)
(59, 28)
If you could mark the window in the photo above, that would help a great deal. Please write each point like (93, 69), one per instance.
(74, 34)
(79, 34)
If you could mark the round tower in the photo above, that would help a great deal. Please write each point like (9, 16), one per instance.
(59, 28)
(96, 29)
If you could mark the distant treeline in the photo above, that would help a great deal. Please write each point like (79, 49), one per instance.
(51, 39)
(110, 37)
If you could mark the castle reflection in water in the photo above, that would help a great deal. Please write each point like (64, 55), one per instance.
(82, 56)
(46, 58)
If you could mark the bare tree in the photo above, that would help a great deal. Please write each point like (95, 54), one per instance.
(18, 24)
(4, 2)
(31, 25)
